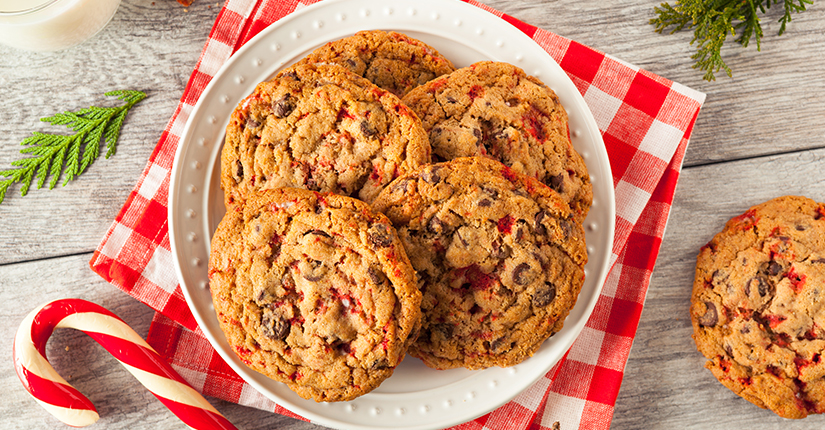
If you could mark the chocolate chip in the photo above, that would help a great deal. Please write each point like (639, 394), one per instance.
(238, 173)
(283, 106)
(376, 276)
(317, 232)
(485, 203)
(512, 102)
(342, 347)
(764, 287)
(400, 186)
(774, 268)
(801, 227)
(556, 182)
(312, 270)
(430, 175)
(436, 226)
(367, 130)
(818, 261)
(380, 364)
(274, 327)
(436, 130)
(492, 192)
(540, 228)
(710, 318)
(445, 329)
(566, 228)
(477, 134)
(544, 295)
(251, 123)
(351, 62)
(497, 345)
(380, 236)
(451, 99)
(745, 330)
(291, 74)
(500, 250)
(521, 274)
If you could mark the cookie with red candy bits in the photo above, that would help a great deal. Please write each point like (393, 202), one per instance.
(496, 110)
(757, 306)
(499, 257)
(315, 291)
(321, 128)
(393, 61)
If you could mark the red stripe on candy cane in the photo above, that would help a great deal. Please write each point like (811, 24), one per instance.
(69, 405)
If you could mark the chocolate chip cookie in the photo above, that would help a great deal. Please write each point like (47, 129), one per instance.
(321, 128)
(758, 306)
(494, 109)
(315, 291)
(498, 255)
(393, 61)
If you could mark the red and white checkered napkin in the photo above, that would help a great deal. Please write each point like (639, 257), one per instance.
(645, 121)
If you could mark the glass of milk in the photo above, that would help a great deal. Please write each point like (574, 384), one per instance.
(51, 25)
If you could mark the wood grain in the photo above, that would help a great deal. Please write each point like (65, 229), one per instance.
(759, 135)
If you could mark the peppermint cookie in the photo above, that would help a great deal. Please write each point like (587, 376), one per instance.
(757, 307)
(393, 61)
(315, 291)
(496, 110)
(499, 258)
(321, 128)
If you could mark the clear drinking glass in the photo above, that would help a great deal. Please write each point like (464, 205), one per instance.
(51, 25)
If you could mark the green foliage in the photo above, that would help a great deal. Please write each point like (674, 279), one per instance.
(69, 154)
(714, 20)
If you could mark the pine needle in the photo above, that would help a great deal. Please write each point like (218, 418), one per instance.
(54, 155)
(714, 20)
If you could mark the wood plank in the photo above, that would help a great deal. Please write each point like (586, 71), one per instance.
(666, 385)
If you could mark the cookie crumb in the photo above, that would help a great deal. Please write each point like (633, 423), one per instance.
(556, 426)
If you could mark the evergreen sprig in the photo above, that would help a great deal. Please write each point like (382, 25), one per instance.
(714, 20)
(51, 152)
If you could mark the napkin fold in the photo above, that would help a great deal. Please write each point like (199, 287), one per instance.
(645, 121)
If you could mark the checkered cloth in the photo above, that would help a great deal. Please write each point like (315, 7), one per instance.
(645, 121)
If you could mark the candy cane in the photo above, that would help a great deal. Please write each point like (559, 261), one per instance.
(65, 402)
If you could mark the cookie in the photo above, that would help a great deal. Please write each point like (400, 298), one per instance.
(757, 306)
(494, 109)
(499, 259)
(320, 128)
(315, 291)
(393, 61)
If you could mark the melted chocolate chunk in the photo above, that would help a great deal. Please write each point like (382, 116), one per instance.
(711, 316)
(430, 175)
(445, 329)
(380, 236)
(544, 295)
(500, 250)
(274, 327)
(283, 106)
(367, 129)
(556, 182)
(312, 270)
(238, 172)
(540, 228)
(521, 275)
(376, 276)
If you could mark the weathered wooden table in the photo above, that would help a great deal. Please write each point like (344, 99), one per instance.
(760, 135)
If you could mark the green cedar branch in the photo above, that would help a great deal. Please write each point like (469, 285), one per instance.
(53, 155)
(714, 20)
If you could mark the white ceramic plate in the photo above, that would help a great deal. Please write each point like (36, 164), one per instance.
(415, 397)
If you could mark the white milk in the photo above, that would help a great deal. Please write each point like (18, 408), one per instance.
(50, 25)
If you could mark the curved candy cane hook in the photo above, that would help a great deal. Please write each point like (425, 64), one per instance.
(65, 402)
